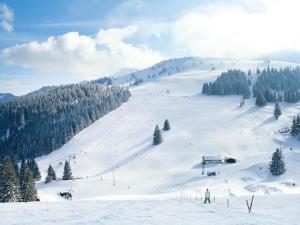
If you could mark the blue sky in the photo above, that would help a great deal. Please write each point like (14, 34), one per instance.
(53, 42)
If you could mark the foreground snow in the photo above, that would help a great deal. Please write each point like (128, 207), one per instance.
(275, 210)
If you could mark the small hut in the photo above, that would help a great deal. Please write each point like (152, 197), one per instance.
(212, 159)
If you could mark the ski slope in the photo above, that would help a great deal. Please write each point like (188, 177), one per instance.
(277, 210)
(114, 159)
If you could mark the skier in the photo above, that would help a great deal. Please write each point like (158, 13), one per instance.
(207, 196)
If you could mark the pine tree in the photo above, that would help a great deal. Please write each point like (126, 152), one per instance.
(277, 165)
(277, 111)
(167, 125)
(34, 169)
(27, 185)
(9, 186)
(157, 139)
(51, 175)
(294, 128)
(16, 167)
(67, 171)
(257, 71)
(260, 100)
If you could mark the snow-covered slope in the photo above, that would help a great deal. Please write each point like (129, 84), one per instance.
(278, 210)
(118, 147)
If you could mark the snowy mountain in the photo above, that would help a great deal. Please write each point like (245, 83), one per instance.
(42, 90)
(6, 97)
(114, 158)
(124, 71)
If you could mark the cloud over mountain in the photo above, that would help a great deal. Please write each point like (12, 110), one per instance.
(82, 55)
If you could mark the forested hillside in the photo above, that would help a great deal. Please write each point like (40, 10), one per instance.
(278, 84)
(232, 82)
(37, 124)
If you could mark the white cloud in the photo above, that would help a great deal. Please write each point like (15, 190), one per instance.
(6, 18)
(84, 56)
(239, 29)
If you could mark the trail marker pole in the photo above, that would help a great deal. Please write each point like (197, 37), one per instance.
(250, 206)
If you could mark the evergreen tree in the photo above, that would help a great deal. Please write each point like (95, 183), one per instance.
(277, 165)
(9, 186)
(260, 100)
(277, 111)
(257, 71)
(167, 125)
(67, 171)
(205, 89)
(27, 185)
(249, 72)
(157, 139)
(16, 167)
(34, 169)
(294, 130)
(51, 175)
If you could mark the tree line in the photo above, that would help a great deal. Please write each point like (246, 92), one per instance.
(232, 82)
(18, 184)
(37, 124)
(277, 85)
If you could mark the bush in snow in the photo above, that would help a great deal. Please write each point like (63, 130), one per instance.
(277, 165)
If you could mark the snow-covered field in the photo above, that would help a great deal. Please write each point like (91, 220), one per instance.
(151, 180)
(278, 210)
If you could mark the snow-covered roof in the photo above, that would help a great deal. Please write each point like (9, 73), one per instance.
(211, 157)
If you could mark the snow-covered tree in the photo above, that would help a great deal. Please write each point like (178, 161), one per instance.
(277, 165)
(277, 111)
(67, 171)
(27, 184)
(9, 186)
(167, 125)
(51, 175)
(157, 139)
